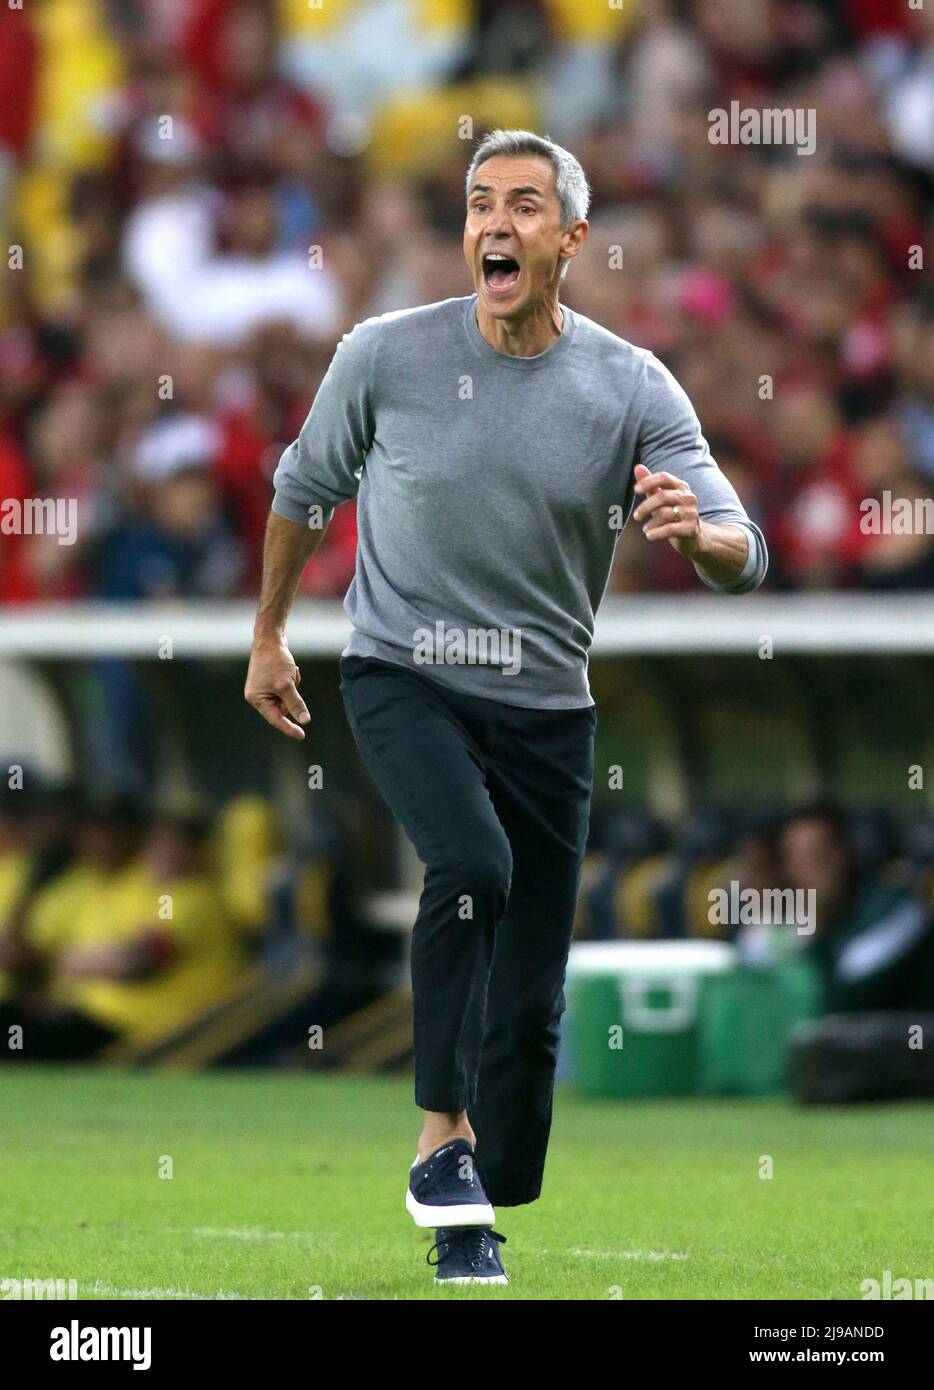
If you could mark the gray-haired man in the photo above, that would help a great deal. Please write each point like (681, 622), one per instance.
(493, 442)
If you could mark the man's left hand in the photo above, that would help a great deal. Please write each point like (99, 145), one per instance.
(668, 511)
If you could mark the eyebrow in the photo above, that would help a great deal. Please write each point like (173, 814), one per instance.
(513, 192)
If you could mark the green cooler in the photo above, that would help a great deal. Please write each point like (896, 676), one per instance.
(746, 1021)
(634, 1012)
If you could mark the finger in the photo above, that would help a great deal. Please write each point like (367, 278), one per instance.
(648, 482)
(294, 703)
(664, 497)
(271, 710)
(671, 530)
(663, 515)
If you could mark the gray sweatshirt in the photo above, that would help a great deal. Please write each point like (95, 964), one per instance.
(491, 491)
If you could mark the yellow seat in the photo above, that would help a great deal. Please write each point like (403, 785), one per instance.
(700, 882)
(15, 868)
(80, 68)
(430, 15)
(414, 133)
(634, 907)
(592, 20)
(246, 841)
(301, 18)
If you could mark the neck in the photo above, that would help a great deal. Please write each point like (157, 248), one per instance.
(528, 336)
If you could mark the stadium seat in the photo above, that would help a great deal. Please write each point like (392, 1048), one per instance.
(413, 133)
(703, 845)
(617, 903)
(634, 898)
(247, 840)
(592, 20)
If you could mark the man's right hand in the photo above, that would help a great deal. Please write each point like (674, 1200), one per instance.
(272, 683)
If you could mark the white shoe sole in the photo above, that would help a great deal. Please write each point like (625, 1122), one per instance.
(474, 1279)
(467, 1215)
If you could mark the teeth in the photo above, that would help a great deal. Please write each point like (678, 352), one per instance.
(494, 256)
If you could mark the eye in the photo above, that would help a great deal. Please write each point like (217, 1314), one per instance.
(526, 207)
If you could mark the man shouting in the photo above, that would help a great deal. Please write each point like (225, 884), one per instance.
(493, 442)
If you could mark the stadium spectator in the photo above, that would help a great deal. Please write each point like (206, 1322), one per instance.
(16, 582)
(19, 71)
(874, 938)
(126, 943)
(903, 557)
(178, 545)
(15, 852)
(913, 334)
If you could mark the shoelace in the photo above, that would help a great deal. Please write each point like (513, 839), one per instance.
(470, 1241)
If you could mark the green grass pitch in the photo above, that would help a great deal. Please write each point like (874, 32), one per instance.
(289, 1187)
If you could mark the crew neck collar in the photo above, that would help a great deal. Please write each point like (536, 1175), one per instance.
(505, 359)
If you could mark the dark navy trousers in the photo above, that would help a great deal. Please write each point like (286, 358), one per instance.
(495, 799)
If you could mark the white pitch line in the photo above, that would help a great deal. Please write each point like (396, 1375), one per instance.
(617, 1254)
(111, 1291)
(243, 1233)
(232, 1233)
(260, 1233)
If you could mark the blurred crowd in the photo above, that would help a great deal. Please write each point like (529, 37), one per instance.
(858, 894)
(112, 926)
(200, 197)
(126, 927)
(123, 924)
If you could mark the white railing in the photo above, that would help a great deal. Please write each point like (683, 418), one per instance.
(843, 624)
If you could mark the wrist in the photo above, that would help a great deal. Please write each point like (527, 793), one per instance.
(268, 633)
(702, 547)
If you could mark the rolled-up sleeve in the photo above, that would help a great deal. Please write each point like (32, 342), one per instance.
(322, 467)
(671, 441)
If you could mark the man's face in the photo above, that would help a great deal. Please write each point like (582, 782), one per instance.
(513, 212)
(108, 844)
(814, 858)
(172, 852)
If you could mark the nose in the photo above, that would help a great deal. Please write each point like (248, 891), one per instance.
(498, 222)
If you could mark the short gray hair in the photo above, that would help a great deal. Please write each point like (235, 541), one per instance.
(571, 186)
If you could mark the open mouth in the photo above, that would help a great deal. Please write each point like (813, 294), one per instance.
(500, 272)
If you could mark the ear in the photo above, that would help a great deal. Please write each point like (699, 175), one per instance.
(573, 238)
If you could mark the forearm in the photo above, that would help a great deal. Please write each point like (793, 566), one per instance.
(141, 959)
(729, 556)
(288, 547)
(722, 551)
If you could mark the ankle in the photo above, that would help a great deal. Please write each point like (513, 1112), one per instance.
(428, 1143)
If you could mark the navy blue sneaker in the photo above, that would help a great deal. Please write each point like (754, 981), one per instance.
(468, 1255)
(446, 1189)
